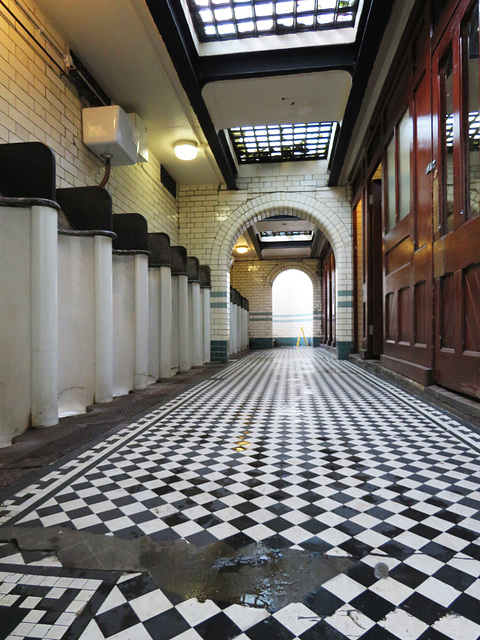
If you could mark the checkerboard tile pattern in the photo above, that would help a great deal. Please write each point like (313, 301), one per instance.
(289, 449)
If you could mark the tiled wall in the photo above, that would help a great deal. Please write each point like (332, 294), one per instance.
(254, 280)
(37, 105)
(211, 220)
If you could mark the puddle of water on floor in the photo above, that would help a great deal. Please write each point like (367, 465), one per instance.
(254, 576)
(259, 577)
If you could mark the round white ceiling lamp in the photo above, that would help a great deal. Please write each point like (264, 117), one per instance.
(241, 249)
(186, 149)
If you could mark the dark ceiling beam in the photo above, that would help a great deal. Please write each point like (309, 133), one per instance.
(376, 20)
(294, 244)
(254, 240)
(276, 63)
(319, 244)
(172, 26)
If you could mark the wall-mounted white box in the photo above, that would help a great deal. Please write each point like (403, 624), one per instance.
(142, 137)
(110, 130)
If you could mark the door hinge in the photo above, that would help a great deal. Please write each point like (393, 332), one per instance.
(431, 166)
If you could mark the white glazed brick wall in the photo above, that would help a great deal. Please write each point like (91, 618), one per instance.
(211, 220)
(36, 105)
(254, 279)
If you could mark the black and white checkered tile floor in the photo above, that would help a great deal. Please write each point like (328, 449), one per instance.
(289, 449)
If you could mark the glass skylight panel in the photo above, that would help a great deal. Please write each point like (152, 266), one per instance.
(279, 143)
(230, 19)
(286, 236)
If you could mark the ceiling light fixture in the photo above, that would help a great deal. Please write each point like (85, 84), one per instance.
(186, 149)
(242, 249)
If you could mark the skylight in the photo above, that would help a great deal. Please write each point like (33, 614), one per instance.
(232, 19)
(279, 143)
(286, 236)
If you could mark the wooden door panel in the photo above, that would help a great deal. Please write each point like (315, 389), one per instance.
(456, 250)
(405, 331)
(408, 346)
(391, 317)
(401, 278)
(401, 231)
(399, 255)
(471, 291)
(447, 311)
(420, 325)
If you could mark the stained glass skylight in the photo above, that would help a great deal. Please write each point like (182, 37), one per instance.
(282, 142)
(232, 19)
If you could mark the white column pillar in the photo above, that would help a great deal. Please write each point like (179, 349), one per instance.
(44, 335)
(239, 328)
(197, 326)
(153, 324)
(141, 321)
(242, 328)
(233, 329)
(202, 322)
(175, 325)
(206, 325)
(184, 361)
(191, 324)
(103, 319)
(123, 323)
(165, 322)
(245, 327)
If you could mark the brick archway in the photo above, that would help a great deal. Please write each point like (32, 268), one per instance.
(329, 212)
(292, 264)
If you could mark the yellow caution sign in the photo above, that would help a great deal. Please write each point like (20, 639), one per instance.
(302, 332)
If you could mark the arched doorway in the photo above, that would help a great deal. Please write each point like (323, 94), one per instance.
(292, 308)
(330, 212)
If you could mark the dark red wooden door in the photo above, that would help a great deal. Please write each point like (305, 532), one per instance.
(329, 296)
(372, 343)
(457, 204)
(407, 242)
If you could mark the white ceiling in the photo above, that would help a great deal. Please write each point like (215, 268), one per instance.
(273, 252)
(312, 97)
